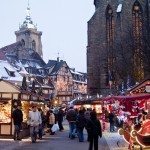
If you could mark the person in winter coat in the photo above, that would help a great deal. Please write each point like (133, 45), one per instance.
(94, 130)
(60, 116)
(17, 118)
(111, 117)
(55, 111)
(72, 117)
(80, 123)
(87, 117)
(51, 122)
(41, 127)
(34, 121)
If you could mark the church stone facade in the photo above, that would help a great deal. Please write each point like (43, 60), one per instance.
(118, 34)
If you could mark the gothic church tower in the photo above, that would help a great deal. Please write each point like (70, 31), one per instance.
(117, 36)
(29, 36)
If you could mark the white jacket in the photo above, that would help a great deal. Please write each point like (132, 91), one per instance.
(34, 118)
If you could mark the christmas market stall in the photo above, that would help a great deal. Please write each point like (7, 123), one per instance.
(10, 96)
(134, 112)
(89, 102)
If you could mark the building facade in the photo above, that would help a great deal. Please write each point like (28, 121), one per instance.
(118, 34)
(61, 77)
(79, 84)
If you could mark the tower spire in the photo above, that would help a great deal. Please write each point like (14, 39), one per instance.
(28, 10)
(28, 23)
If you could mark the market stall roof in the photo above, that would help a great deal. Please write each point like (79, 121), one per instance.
(128, 98)
(139, 88)
(89, 100)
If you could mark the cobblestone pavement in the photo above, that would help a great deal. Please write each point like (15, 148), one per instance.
(61, 141)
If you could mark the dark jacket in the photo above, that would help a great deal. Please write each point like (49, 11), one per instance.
(71, 115)
(111, 117)
(60, 115)
(94, 128)
(81, 121)
(17, 116)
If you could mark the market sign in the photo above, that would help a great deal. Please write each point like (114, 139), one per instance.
(147, 88)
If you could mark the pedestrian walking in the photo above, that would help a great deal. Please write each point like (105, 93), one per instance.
(51, 122)
(80, 123)
(71, 116)
(60, 119)
(34, 122)
(42, 125)
(87, 118)
(95, 131)
(17, 116)
(111, 117)
(55, 111)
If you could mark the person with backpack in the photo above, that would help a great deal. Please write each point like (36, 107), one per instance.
(94, 130)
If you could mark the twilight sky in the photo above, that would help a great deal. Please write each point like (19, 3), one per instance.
(63, 23)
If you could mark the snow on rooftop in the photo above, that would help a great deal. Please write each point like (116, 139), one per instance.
(7, 66)
(22, 70)
(4, 74)
(75, 72)
(119, 8)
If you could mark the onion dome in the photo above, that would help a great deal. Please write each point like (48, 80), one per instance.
(28, 23)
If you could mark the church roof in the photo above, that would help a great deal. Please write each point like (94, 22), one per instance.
(28, 23)
(9, 50)
(15, 52)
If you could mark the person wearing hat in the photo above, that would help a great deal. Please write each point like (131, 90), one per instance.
(34, 121)
(17, 116)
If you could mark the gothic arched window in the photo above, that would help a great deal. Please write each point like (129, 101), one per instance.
(33, 45)
(137, 20)
(110, 37)
(23, 43)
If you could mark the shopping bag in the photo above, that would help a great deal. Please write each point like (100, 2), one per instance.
(55, 128)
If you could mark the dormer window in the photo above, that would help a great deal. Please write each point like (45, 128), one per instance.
(10, 72)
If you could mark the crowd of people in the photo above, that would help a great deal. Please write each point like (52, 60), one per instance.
(78, 121)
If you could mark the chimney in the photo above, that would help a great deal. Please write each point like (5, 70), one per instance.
(57, 59)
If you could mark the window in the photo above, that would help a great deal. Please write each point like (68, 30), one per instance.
(33, 45)
(110, 37)
(137, 34)
(23, 43)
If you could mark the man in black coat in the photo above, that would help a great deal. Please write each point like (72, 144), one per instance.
(94, 130)
(17, 118)
(111, 117)
(60, 116)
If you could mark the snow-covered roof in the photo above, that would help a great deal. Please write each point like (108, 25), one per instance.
(7, 66)
(75, 72)
(119, 8)
(4, 74)
(22, 69)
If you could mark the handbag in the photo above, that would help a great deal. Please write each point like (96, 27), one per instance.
(55, 128)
